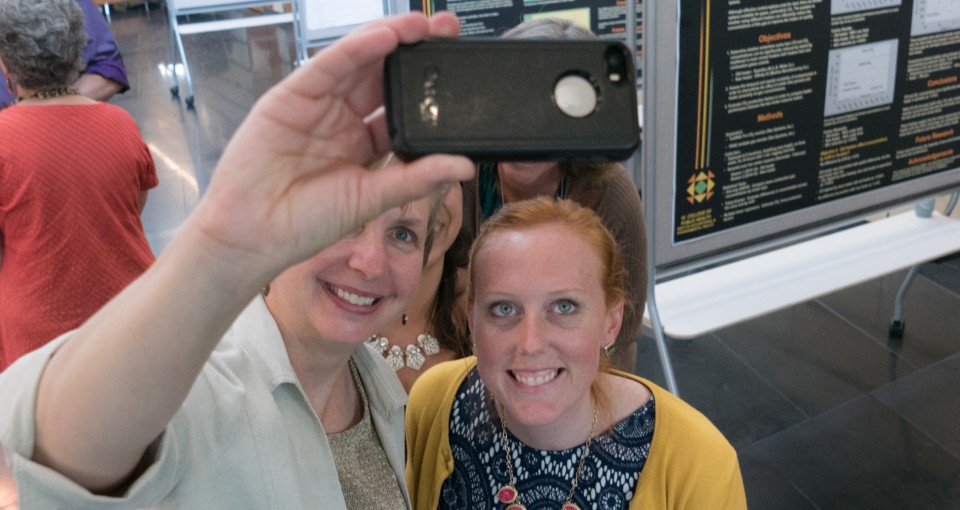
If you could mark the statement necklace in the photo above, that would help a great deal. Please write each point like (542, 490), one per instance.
(510, 496)
(50, 93)
(415, 355)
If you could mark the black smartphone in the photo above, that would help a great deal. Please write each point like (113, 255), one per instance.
(512, 99)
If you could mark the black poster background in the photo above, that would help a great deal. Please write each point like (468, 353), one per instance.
(784, 105)
(607, 18)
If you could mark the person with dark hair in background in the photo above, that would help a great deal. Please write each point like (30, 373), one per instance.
(537, 418)
(74, 175)
(607, 188)
(104, 74)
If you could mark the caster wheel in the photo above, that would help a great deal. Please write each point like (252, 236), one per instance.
(175, 91)
(189, 101)
(896, 329)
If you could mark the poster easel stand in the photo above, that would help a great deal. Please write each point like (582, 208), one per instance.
(717, 290)
(896, 322)
(179, 8)
(696, 304)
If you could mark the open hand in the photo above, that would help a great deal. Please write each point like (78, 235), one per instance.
(292, 180)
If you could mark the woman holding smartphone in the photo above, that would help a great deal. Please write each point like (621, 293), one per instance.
(222, 376)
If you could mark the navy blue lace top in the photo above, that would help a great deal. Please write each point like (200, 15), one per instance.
(543, 478)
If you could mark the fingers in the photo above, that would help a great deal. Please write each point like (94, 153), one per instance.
(444, 24)
(352, 67)
(362, 48)
(365, 194)
(395, 185)
(441, 24)
(377, 126)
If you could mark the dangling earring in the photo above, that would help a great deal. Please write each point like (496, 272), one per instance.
(404, 318)
(266, 290)
(609, 349)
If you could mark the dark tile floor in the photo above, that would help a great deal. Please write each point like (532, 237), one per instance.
(825, 410)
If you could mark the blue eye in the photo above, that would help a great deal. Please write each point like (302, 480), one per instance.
(502, 309)
(564, 307)
(404, 235)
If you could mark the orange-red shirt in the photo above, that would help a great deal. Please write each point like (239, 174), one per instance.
(70, 182)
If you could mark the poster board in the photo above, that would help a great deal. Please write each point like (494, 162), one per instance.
(323, 21)
(490, 18)
(777, 120)
(203, 5)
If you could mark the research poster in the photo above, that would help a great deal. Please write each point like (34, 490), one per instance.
(606, 18)
(788, 104)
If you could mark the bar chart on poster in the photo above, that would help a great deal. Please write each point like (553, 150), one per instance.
(860, 77)
(845, 6)
(933, 16)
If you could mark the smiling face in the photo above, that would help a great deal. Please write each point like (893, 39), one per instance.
(350, 290)
(539, 318)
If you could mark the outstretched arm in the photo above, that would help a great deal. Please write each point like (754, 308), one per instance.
(97, 87)
(105, 74)
(291, 182)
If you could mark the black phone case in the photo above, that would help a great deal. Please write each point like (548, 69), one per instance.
(493, 100)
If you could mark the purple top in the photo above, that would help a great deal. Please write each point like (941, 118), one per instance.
(101, 53)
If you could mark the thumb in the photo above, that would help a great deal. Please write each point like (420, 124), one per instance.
(401, 183)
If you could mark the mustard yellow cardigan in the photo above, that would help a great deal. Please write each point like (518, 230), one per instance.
(690, 465)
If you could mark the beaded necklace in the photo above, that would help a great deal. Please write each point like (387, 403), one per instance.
(50, 93)
(415, 355)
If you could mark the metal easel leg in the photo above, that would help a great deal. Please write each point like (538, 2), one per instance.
(948, 210)
(176, 48)
(300, 47)
(174, 58)
(661, 342)
(658, 335)
(897, 325)
(186, 71)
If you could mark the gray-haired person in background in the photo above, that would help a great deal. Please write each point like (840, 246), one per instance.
(74, 175)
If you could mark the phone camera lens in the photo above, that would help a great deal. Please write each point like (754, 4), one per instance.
(576, 95)
(616, 64)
